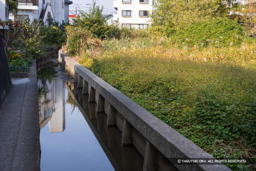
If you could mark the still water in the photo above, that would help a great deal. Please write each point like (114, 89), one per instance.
(71, 139)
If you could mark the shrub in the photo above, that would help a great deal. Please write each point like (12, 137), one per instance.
(80, 40)
(30, 40)
(113, 31)
(20, 62)
(53, 35)
(216, 32)
(93, 21)
(13, 55)
(171, 16)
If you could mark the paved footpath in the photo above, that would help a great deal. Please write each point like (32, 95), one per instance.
(19, 126)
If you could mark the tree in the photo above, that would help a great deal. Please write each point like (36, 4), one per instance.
(11, 34)
(13, 5)
(23, 37)
(49, 19)
(93, 20)
(172, 15)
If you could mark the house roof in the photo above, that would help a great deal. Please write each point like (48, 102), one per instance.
(74, 16)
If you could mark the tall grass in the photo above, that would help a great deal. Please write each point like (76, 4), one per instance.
(207, 94)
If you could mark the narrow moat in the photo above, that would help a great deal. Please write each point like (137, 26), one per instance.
(73, 136)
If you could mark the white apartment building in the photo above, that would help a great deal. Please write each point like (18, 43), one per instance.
(39, 9)
(53, 105)
(133, 13)
(4, 10)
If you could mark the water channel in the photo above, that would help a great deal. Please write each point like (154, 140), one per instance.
(72, 135)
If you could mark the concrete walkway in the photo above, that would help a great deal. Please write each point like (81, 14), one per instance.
(19, 126)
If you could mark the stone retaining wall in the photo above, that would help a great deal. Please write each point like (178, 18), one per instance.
(5, 79)
(159, 144)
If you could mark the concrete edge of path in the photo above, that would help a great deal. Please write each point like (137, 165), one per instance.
(19, 141)
(27, 153)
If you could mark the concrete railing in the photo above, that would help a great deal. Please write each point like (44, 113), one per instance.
(159, 144)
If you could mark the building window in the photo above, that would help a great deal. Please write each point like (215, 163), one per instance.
(43, 1)
(62, 4)
(127, 1)
(143, 13)
(125, 25)
(144, 1)
(143, 26)
(126, 13)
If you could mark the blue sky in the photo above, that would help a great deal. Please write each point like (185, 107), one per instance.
(85, 4)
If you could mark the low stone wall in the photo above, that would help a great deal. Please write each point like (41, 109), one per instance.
(160, 145)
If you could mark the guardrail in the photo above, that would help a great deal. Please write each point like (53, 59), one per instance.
(159, 144)
(19, 69)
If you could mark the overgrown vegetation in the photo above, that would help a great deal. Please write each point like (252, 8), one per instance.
(212, 32)
(207, 95)
(194, 70)
(16, 60)
(26, 41)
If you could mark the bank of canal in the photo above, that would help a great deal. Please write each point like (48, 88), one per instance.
(72, 135)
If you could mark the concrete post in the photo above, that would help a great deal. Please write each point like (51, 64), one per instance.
(150, 158)
(91, 94)
(75, 90)
(85, 103)
(91, 108)
(111, 121)
(100, 104)
(80, 95)
(75, 77)
(80, 82)
(85, 87)
(106, 106)
(100, 122)
(127, 133)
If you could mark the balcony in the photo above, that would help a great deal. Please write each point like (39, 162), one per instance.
(28, 2)
(127, 1)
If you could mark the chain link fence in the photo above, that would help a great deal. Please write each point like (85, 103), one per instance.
(5, 79)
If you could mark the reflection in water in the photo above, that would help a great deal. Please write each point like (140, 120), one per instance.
(74, 148)
(52, 105)
(84, 141)
(124, 158)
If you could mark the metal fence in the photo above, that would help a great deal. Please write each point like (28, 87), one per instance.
(19, 69)
(5, 79)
